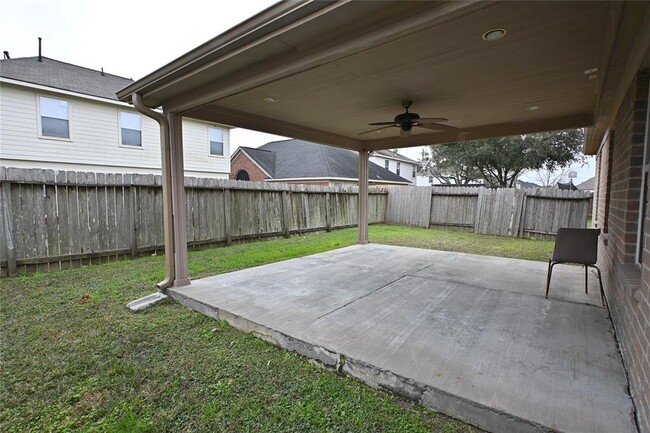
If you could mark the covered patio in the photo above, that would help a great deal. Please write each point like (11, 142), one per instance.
(471, 336)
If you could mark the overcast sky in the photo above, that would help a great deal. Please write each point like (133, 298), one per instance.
(131, 38)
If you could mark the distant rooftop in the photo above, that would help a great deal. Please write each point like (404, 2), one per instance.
(587, 184)
(293, 159)
(63, 76)
(393, 154)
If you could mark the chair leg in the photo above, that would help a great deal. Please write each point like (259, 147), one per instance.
(548, 276)
(600, 281)
(586, 279)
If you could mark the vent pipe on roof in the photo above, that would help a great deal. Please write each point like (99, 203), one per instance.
(40, 57)
(103, 71)
(6, 54)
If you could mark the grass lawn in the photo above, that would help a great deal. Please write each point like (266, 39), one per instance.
(75, 359)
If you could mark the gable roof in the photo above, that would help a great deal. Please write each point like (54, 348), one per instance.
(587, 184)
(294, 159)
(394, 155)
(63, 76)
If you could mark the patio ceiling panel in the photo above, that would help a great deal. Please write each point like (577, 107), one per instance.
(335, 67)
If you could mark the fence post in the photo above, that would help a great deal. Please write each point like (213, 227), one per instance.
(328, 212)
(286, 216)
(12, 268)
(226, 216)
(134, 221)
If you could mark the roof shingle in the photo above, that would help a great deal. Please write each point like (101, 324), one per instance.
(292, 159)
(63, 76)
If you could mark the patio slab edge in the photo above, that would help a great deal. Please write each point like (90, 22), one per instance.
(463, 409)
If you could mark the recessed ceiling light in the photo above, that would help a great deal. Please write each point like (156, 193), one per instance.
(494, 34)
(591, 71)
(271, 99)
(533, 108)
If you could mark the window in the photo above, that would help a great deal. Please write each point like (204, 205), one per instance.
(397, 171)
(130, 129)
(216, 142)
(413, 172)
(242, 175)
(386, 164)
(431, 179)
(55, 118)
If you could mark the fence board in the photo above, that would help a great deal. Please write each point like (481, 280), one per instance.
(409, 206)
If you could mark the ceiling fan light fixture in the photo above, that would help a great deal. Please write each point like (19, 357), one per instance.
(494, 34)
(533, 108)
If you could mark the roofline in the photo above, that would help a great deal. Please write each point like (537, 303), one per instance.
(63, 92)
(353, 179)
(395, 158)
(71, 64)
(280, 15)
(42, 88)
(241, 149)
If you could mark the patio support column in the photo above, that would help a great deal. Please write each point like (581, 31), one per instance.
(363, 197)
(179, 219)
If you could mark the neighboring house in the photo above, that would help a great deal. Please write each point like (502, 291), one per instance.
(522, 184)
(587, 185)
(398, 164)
(297, 161)
(54, 115)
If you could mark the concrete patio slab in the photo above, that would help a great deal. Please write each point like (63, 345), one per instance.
(471, 336)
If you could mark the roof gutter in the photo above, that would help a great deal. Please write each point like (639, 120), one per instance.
(170, 270)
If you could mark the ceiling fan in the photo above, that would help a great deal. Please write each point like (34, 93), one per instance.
(406, 121)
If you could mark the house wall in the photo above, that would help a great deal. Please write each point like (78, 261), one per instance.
(241, 161)
(616, 212)
(94, 142)
(406, 168)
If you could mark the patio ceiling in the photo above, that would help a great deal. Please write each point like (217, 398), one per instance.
(337, 66)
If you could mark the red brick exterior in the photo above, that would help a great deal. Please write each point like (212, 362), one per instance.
(243, 162)
(617, 197)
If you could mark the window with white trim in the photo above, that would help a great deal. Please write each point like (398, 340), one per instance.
(215, 136)
(398, 167)
(413, 172)
(386, 164)
(55, 117)
(130, 129)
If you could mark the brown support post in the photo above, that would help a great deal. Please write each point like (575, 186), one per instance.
(12, 267)
(226, 216)
(286, 215)
(179, 218)
(363, 197)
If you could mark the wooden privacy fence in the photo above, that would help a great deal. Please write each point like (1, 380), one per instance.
(59, 219)
(502, 211)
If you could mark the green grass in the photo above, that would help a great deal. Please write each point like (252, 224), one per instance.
(75, 359)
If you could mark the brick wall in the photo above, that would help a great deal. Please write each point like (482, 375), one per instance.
(616, 212)
(243, 162)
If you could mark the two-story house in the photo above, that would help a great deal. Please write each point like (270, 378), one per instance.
(396, 163)
(54, 115)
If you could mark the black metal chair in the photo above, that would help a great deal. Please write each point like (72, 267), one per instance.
(578, 246)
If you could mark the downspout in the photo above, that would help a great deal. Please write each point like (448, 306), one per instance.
(165, 152)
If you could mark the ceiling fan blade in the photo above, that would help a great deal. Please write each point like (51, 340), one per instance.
(382, 123)
(377, 129)
(404, 132)
(432, 120)
(438, 127)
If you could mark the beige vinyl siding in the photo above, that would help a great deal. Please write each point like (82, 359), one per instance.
(198, 155)
(94, 138)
